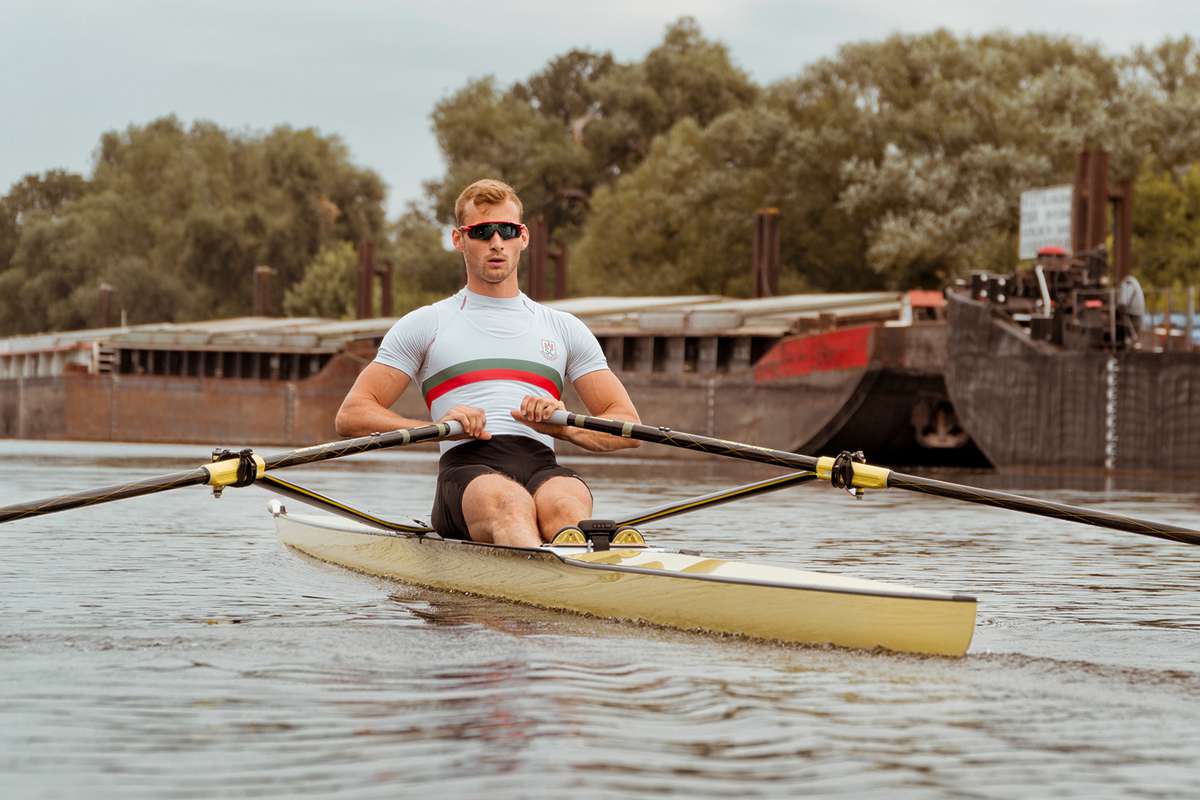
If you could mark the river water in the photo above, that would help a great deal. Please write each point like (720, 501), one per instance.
(169, 647)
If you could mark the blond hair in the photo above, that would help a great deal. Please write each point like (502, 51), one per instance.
(486, 192)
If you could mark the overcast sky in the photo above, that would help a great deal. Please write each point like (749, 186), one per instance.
(371, 71)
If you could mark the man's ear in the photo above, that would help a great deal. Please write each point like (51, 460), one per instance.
(456, 239)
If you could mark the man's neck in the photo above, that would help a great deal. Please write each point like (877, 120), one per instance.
(507, 289)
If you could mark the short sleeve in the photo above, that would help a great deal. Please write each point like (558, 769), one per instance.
(583, 351)
(406, 343)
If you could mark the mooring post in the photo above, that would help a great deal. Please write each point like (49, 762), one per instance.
(538, 243)
(104, 305)
(1191, 317)
(765, 256)
(262, 290)
(366, 273)
(386, 272)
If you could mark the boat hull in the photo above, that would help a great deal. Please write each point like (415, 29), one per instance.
(655, 586)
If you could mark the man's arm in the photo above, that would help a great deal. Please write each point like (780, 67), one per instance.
(604, 396)
(368, 404)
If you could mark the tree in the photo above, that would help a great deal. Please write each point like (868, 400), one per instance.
(686, 76)
(484, 132)
(425, 269)
(328, 288)
(949, 132)
(580, 123)
(1167, 78)
(176, 218)
(31, 197)
(1166, 226)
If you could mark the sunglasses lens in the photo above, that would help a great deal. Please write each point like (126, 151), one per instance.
(486, 230)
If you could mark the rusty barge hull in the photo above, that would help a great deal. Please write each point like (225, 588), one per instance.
(847, 382)
(872, 389)
(1030, 404)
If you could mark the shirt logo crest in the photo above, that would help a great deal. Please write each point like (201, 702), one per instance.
(549, 349)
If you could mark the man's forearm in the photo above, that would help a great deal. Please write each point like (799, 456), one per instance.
(362, 418)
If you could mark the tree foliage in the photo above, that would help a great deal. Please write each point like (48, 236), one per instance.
(176, 219)
(1166, 226)
(580, 123)
(895, 163)
(328, 288)
(424, 268)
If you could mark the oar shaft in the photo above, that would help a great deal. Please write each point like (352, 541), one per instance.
(224, 473)
(1044, 508)
(717, 498)
(375, 441)
(91, 497)
(318, 500)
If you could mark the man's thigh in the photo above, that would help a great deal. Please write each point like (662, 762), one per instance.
(494, 500)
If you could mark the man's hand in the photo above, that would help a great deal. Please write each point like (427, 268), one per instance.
(534, 412)
(473, 420)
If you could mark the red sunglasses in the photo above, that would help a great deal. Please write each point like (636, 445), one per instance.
(484, 231)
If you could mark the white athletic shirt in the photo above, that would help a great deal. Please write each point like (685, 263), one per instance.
(489, 352)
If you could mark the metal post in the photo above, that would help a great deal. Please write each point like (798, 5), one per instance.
(386, 272)
(1079, 203)
(104, 306)
(366, 273)
(560, 272)
(1097, 206)
(1191, 317)
(1167, 322)
(765, 258)
(1123, 231)
(262, 290)
(538, 242)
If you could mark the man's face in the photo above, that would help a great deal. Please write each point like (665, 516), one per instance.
(492, 263)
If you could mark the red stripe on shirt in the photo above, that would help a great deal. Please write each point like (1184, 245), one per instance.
(491, 375)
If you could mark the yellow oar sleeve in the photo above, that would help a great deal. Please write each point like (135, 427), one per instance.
(225, 473)
(866, 476)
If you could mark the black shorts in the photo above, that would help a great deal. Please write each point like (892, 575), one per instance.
(525, 460)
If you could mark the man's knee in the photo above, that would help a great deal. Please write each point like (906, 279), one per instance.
(498, 495)
(561, 501)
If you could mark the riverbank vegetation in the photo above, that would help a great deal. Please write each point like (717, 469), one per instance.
(894, 164)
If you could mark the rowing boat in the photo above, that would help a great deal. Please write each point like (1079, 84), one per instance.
(642, 583)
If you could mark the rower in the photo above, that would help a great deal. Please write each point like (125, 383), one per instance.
(497, 362)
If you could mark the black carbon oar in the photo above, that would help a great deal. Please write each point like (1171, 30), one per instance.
(325, 503)
(867, 476)
(225, 472)
(717, 498)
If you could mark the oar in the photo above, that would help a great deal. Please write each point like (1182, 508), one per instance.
(220, 474)
(717, 498)
(318, 500)
(867, 476)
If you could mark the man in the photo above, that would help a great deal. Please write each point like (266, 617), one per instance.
(497, 362)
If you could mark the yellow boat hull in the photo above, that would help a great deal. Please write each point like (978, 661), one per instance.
(659, 587)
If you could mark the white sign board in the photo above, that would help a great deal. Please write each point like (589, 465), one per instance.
(1045, 220)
